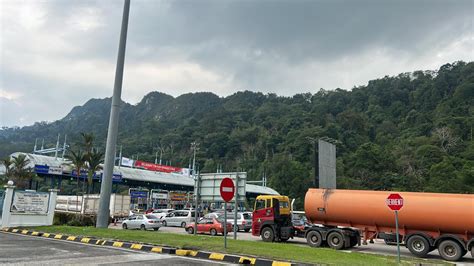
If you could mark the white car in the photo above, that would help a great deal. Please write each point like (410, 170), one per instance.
(178, 218)
(142, 221)
(160, 213)
(244, 219)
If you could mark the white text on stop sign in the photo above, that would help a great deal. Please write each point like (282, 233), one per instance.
(394, 201)
(227, 189)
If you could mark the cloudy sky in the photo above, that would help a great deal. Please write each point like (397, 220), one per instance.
(58, 54)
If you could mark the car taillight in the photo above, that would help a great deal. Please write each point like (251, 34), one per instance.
(244, 222)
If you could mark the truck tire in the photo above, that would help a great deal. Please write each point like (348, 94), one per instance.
(354, 241)
(314, 239)
(450, 250)
(418, 246)
(267, 234)
(335, 240)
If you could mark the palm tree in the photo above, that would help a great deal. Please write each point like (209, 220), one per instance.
(7, 162)
(88, 139)
(78, 160)
(93, 162)
(21, 171)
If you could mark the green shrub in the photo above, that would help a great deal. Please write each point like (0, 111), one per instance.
(73, 219)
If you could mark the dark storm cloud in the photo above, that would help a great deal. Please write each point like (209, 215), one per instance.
(66, 50)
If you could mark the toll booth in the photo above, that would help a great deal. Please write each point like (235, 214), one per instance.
(159, 199)
(178, 200)
(138, 198)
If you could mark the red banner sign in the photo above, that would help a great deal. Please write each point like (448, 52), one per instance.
(157, 167)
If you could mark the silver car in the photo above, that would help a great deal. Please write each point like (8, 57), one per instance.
(244, 219)
(178, 218)
(142, 221)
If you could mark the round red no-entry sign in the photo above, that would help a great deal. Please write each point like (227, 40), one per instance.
(394, 202)
(227, 189)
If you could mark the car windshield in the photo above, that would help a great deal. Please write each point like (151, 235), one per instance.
(247, 216)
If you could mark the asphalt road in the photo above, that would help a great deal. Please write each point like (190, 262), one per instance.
(27, 250)
(379, 247)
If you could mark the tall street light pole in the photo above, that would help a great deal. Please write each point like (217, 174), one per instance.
(194, 146)
(106, 184)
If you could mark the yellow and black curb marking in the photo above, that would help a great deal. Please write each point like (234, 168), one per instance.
(157, 249)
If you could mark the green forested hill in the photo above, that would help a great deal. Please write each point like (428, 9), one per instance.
(411, 132)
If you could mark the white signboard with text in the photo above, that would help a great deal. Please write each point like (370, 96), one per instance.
(26, 202)
(211, 182)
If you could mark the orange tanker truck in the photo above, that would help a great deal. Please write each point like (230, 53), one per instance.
(341, 218)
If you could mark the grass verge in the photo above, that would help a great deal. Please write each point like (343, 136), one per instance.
(277, 251)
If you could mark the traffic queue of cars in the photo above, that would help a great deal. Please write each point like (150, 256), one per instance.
(211, 223)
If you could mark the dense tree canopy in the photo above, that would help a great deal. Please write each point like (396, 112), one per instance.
(411, 132)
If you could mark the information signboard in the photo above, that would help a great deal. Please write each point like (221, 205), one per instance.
(210, 185)
(29, 202)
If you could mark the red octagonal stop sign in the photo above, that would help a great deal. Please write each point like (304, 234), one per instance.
(394, 202)
(227, 189)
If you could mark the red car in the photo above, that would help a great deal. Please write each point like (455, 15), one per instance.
(212, 226)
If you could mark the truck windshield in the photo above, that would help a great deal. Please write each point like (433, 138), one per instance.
(259, 204)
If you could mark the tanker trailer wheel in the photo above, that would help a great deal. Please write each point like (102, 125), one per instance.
(267, 234)
(314, 239)
(450, 250)
(418, 246)
(335, 240)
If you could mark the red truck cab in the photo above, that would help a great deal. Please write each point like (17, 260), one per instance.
(271, 218)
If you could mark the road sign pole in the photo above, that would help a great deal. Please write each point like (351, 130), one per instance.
(398, 240)
(236, 202)
(225, 224)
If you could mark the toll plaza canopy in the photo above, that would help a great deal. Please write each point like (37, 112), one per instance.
(59, 168)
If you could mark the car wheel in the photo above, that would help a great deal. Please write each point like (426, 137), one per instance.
(267, 234)
(335, 240)
(314, 239)
(142, 227)
(156, 228)
(163, 223)
(124, 226)
(190, 230)
(183, 224)
(450, 250)
(235, 228)
(213, 232)
(418, 246)
(247, 230)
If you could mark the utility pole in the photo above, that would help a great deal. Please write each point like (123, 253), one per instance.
(106, 184)
(194, 146)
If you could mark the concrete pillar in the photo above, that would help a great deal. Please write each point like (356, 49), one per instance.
(7, 202)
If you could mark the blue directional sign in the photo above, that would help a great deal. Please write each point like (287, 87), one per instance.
(138, 194)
